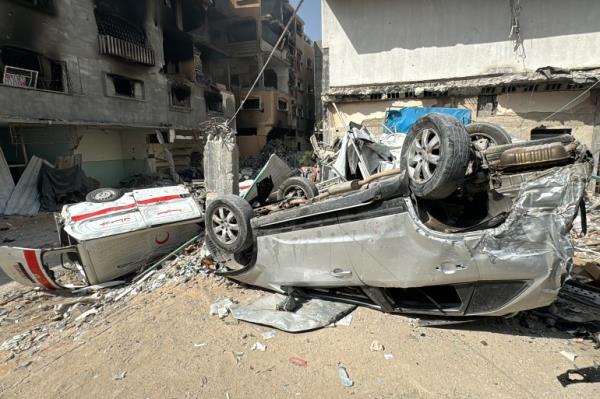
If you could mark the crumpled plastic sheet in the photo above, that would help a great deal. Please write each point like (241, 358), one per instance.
(540, 223)
(7, 183)
(25, 198)
(311, 314)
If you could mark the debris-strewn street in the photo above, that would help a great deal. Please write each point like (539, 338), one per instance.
(299, 199)
(157, 338)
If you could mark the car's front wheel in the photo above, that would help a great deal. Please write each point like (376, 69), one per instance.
(227, 221)
(436, 155)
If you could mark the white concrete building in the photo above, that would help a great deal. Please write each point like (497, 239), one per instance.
(524, 64)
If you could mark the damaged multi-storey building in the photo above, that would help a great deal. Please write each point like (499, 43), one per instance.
(529, 66)
(100, 78)
(124, 85)
(283, 104)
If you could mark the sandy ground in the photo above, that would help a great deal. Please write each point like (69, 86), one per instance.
(157, 339)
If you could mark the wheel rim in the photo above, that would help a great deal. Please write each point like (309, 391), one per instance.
(104, 195)
(482, 141)
(424, 155)
(294, 192)
(225, 225)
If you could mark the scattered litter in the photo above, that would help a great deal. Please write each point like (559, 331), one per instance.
(237, 356)
(221, 308)
(84, 315)
(268, 335)
(309, 314)
(346, 381)
(388, 356)
(40, 337)
(298, 361)
(376, 346)
(344, 321)
(259, 347)
(119, 376)
(437, 322)
(13, 343)
(97, 287)
(159, 282)
(72, 312)
(576, 376)
(569, 355)
(200, 345)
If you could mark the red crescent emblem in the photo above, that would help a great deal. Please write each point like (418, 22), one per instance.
(161, 242)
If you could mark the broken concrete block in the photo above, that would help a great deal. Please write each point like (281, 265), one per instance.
(221, 168)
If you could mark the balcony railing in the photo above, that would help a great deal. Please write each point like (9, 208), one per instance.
(122, 38)
(129, 51)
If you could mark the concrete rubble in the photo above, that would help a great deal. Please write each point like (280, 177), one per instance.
(250, 166)
(44, 316)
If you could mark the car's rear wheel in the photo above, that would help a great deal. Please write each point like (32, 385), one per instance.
(297, 187)
(485, 135)
(227, 221)
(436, 155)
(104, 195)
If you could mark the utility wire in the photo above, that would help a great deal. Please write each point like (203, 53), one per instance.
(275, 47)
(572, 101)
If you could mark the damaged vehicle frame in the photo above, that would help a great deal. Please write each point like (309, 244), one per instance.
(110, 235)
(458, 230)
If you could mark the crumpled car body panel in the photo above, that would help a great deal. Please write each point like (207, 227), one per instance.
(392, 248)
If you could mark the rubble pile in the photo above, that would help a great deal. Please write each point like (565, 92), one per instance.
(140, 181)
(31, 317)
(277, 147)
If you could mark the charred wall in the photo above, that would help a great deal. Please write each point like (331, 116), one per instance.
(68, 34)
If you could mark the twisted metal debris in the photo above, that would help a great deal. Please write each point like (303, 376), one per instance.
(218, 130)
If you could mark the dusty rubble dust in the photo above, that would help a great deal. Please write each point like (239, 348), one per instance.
(156, 339)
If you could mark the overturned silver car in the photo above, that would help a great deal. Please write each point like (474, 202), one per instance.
(462, 228)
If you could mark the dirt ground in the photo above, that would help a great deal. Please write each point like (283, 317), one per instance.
(169, 347)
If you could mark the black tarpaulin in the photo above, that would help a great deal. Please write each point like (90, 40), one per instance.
(63, 186)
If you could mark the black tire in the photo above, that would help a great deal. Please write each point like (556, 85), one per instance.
(496, 135)
(452, 153)
(297, 187)
(102, 195)
(219, 223)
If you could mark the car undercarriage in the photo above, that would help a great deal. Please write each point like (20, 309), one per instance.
(491, 236)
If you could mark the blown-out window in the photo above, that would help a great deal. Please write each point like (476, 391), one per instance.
(252, 103)
(25, 68)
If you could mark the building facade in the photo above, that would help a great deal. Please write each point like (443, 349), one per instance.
(282, 105)
(101, 78)
(530, 66)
